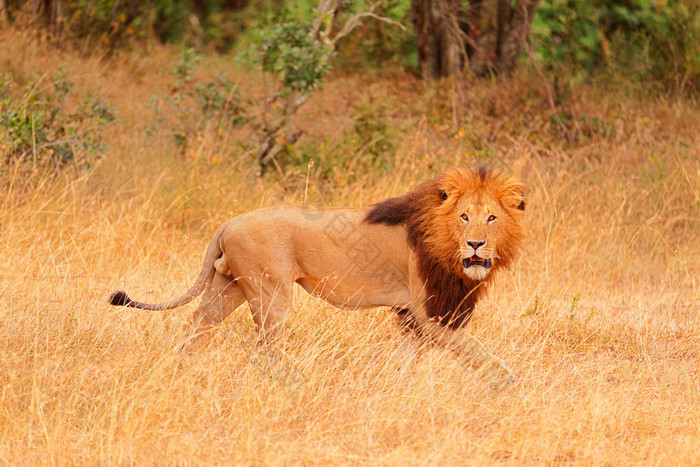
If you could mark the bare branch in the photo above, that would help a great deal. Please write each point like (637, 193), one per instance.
(325, 7)
(356, 20)
(299, 102)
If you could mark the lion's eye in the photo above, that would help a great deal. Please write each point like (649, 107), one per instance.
(464, 217)
(491, 218)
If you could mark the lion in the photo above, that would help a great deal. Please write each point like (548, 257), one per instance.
(428, 254)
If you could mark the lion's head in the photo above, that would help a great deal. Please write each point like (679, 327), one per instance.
(476, 227)
(463, 226)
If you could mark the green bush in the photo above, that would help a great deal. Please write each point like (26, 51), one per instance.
(369, 146)
(38, 124)
(647, 40)
(197, 103)
(379, 45)
(300, 62)
(116, 23)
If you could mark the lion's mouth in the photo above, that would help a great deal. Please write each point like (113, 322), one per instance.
(476, 261)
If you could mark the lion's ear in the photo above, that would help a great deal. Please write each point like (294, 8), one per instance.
(516, 196)
(522, 197)
(443, 194)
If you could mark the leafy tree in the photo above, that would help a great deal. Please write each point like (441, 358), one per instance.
(299, 55)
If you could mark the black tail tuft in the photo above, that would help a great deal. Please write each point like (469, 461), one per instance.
(120, 298)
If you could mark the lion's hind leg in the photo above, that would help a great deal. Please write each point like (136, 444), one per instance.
(270, 301)
(219, 300)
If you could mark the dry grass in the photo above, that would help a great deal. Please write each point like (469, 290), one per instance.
(600, 318)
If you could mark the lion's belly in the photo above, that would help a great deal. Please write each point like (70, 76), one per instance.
(371, 294)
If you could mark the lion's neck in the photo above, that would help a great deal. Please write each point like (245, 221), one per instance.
(451, 298)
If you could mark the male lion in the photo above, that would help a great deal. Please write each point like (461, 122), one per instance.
(429, 254)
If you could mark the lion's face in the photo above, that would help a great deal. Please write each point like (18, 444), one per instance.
(480, 215)
(481, 223)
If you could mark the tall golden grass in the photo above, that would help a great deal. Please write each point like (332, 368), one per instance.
(599, 319)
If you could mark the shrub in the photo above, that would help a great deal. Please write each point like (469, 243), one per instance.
(39, 126)
(197, 104)
(648, 40)
(297, 59)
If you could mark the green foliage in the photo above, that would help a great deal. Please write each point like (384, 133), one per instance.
(379, 45)
(117, 23)
(376, 135)
(265, 13)
(288, 51)
(374, 45)
(566, 32)
(170, 19)
(38, 124)
(646, 39)
(197, 104)
(652, 41)
(369, 146)
(185, 67)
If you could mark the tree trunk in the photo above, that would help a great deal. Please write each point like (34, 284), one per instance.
(516, 35)
(486, 36)
(438, 38)
(55, 18)
(48, 13)
(4, 17)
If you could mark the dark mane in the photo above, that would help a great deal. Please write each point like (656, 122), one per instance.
(393, 211)
(451, 297)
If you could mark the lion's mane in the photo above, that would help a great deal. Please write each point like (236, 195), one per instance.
(428, 213)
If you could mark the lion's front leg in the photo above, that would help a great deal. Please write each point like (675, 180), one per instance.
(471, 353)
(409, 347)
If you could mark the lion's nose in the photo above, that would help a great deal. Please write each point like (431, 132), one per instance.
(475, 245)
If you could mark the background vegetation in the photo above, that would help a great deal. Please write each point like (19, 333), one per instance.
(120, 153)
(655, 40)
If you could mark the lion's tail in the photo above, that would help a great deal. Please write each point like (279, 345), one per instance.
(214, 251)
